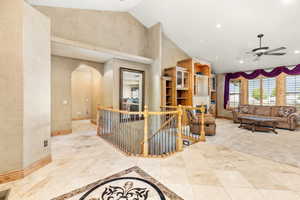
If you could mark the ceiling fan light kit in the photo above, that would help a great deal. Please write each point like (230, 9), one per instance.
(260, 51)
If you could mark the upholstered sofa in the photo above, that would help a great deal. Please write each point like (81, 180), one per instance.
(286, 115)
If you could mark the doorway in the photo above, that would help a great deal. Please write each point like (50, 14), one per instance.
(85, 94)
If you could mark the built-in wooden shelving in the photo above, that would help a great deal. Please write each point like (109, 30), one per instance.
(190, 83)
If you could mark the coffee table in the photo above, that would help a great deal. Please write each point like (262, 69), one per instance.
(255, 123)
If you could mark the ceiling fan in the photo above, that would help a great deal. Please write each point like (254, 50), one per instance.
(260, 51)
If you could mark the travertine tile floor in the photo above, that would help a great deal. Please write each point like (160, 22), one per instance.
(202, 171)
(284, 147)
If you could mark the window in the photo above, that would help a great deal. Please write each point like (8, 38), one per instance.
(234, 93)
(292, 90)
(262, 91)
(254, 92)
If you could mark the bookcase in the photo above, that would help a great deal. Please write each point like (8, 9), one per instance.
(177, 87)
(189, 84)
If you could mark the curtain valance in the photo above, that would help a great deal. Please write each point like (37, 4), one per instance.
(275, 72)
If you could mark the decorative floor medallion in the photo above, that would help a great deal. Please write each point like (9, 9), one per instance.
(130, 184)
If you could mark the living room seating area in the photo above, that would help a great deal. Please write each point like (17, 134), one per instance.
(285, 115)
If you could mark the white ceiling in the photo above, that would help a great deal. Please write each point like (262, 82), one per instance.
(113, 5)
(191, 24)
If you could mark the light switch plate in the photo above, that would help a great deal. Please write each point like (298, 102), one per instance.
(65, 102)
(45, 143)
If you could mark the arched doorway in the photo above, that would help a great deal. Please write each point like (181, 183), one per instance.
(85, 95)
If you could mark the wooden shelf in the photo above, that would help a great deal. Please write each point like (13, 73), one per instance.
(181, 82)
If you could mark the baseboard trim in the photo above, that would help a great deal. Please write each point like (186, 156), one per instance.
(223, 117)
(61, 132)
(81, 118)
(16, 175)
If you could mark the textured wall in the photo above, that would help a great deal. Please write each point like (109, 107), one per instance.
(113, 30)
(111, 81)
(82, 93)
(155, 51)
(61, 107)
(24, 85)
(171, 53)
(11, 85)
(37, 81)
(86, 92)
(220, 97)
(97, 90)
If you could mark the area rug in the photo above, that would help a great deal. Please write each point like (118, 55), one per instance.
(130, 184)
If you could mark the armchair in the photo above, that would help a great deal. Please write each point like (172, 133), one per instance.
(195, 124)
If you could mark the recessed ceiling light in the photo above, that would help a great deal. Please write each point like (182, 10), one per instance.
(218, 26)
(287, 2)
(296, 51)
(241, 62)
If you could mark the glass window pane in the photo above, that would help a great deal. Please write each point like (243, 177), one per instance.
(293, 91)
(254, 91)
(269, 91)
(234, 93)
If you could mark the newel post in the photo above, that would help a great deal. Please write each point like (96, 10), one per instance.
(202, 132)
(145, 146)
(179, 142)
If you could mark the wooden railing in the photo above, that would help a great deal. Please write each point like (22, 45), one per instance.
(147, 134)
(186, 134)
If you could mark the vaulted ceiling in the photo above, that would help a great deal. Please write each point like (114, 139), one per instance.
(218, 31)
(113, 5)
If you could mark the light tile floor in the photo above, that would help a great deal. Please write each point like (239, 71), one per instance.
(202, 171)
(283, 147)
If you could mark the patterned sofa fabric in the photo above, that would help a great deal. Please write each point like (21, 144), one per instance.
(286, 115)
(263, 110)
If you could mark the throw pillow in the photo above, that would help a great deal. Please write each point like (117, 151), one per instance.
(285, 111)
(244, 109)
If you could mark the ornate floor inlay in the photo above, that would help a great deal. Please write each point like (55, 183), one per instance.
(130, 184)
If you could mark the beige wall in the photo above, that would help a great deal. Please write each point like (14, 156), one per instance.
(82, 93)
(24, 85)
(62, 69)
(118, 31)
(97, 90)
(113, 30)
(171, 53)
(37, 105)
(86, 92)
(220, 97)
(111, 81)
(11, 85)
(155, 51)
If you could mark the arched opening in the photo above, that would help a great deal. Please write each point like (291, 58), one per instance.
(85, 95)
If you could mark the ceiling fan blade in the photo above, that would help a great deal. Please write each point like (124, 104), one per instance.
(275, 54)
(272, 50)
